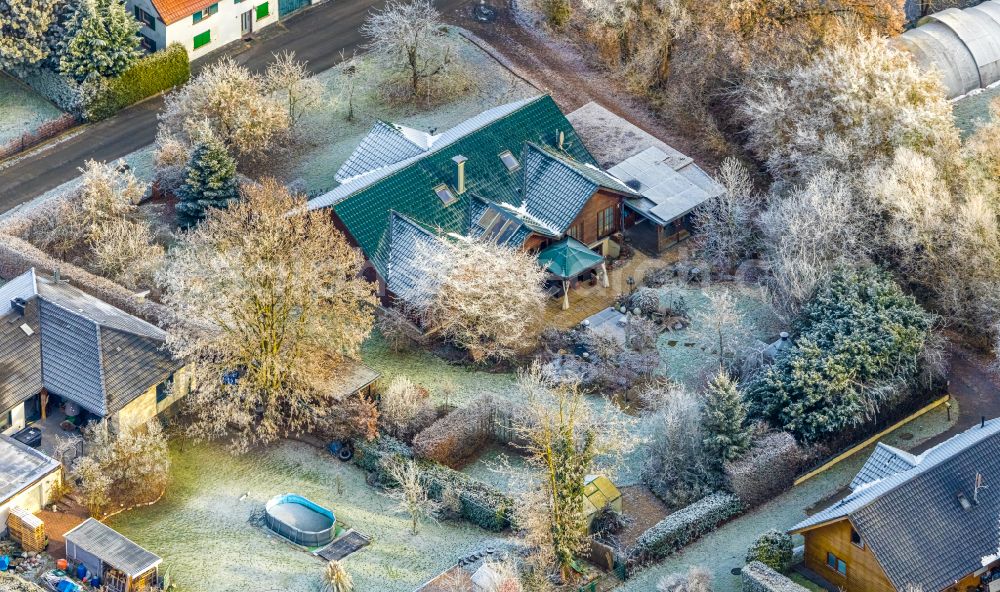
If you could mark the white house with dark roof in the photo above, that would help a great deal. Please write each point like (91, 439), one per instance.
(59, 344)
(929, 521)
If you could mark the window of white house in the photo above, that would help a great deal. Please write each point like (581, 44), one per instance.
(144, 17)
(204, 14)
(444, 193)
(509, 161)
(146, 43)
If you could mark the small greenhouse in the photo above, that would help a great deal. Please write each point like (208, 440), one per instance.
(599, 493)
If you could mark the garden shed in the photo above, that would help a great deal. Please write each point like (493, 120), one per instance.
(122, 565)
(600, 493)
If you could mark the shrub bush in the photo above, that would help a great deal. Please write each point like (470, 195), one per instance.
(773, 549)
(456, 437)
(684, 526)
(148, 76)
(768, 468)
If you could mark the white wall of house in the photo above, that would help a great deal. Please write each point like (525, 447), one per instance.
(158, 32)
(225, 26)
(31, 498)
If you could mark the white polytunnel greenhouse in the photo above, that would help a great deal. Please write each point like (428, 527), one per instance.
(964, 45)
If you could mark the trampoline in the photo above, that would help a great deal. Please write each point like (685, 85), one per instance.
(300, 520)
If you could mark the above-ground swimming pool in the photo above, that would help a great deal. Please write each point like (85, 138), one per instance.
(299, 520)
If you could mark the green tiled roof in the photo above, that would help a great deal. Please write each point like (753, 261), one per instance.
(363, 205)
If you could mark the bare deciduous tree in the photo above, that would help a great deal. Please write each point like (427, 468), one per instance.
(275, 305)
(411, 493)
(727, 224)
(405, 407)
(294, 83)
(130, 467)
(408, 35)
(808, 233)
(483, 297)
(850, 105)
(236, 104)
(720, 328)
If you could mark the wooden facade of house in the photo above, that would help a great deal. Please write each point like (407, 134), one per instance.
(839, 555)
(600, 218)
(923, 521)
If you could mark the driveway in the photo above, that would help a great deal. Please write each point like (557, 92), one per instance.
(320, 35)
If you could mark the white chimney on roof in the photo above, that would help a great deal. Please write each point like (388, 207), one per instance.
(460, 178)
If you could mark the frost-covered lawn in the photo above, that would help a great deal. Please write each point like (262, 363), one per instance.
(21, 109)
(974, 109)
(688, 364)
(725, 549)
(201, 527)
(333, 138)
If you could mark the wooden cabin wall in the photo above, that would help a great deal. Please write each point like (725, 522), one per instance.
(864, 574)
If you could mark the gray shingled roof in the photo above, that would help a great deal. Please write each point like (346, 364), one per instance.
(20, 356)
(20, 466)
(557, 188)
(670, 185)
(884, 461)
(112, 548)
(913, 520)
(385, 144)
(71, 357)
(405, 243)
(89, 351)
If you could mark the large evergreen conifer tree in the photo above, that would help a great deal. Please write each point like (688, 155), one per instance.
(209, 182)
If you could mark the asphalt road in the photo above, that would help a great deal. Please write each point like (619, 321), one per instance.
(320, 35)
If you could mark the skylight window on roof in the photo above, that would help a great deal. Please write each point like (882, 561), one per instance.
(27, 329)
(509, 161)
(445, 194)
(497, 225)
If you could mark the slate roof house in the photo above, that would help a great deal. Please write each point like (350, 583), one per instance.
(60, 344)
(518, 174)
(931, 520)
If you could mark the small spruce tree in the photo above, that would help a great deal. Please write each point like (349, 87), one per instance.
(724, 415)
(106, 43)
(209, 182)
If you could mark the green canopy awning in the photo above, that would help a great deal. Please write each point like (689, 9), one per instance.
(568, 258)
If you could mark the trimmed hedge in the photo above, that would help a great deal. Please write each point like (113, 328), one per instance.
(684, 526)
(148, 76)
(480, 503)
(758, 577)
(767, 469)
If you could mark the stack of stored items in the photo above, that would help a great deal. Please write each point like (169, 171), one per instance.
(27, 529)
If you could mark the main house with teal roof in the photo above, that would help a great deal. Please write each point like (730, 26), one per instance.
(517, 174)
